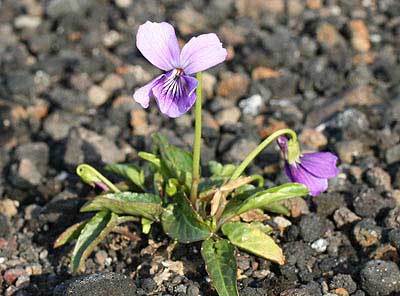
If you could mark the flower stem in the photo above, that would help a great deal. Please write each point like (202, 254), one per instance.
(196, 144)
(240, 169)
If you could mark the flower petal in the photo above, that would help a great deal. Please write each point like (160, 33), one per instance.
(158, 44)
(201, 53)
(175, 96)
(320, 164)
(314, 184)
(283, 144)
(142, 95)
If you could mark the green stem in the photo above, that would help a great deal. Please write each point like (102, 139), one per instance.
(240, 169)
(90, 175)
(196, 144)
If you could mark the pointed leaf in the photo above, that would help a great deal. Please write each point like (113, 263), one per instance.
(261, 199)
(253, 238)
(150, 158)
(182, 223)
(175, 162)
(129, 171)
(69, 234)
(132, 203)
(278, 208)
(219, 257)
(94, 231)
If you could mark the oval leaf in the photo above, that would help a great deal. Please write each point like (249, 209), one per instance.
(129, 171)
(131, 203)
(182, 223)
(94, 231)
(253, 238)
(262, 198)
(219, 257)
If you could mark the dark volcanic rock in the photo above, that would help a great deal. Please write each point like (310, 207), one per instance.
(99, 284)
(312, 227)
(369, 203)
(327, 203)
(343, 281)
(367, 233)
(380, 278)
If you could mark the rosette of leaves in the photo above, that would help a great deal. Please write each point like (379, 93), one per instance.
(161, 194)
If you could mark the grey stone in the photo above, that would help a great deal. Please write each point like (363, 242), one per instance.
(86, 146)
(31, 165)
(380, 278)
(57, 8)
(98, 284)
(393, 154)
(59, 123)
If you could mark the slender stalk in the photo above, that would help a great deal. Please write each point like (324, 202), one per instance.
(240, 169)
(196, 144)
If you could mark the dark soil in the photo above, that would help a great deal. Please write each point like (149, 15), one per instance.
(328, 69)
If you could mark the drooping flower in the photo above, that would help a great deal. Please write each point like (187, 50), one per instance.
(311, 169)
(174, 91)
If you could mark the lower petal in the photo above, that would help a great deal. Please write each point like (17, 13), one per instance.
(142, 95)
(320, 164)
(175, 104)
(314, 184)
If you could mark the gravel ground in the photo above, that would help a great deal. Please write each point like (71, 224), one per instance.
(327, 68)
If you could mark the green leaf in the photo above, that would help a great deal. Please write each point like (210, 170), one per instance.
(277, 208)
(182, 223)
(219, 257)
(253, 238)
(152, 158)
(69, 234)
(146, 225)
(219, 170)
(132, 203)
(129, 171)
(175, 162)
(94, 231)
(261, 199)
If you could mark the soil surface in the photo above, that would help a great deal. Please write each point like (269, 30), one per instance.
(327, 68)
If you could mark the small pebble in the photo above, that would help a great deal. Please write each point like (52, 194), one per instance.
(320, 245)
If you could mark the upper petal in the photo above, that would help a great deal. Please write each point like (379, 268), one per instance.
(158, 44)
(142, 95)
(314, 184)
(201, 53)
(176, 96)
(320, 164)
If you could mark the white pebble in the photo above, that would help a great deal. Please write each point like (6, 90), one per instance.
(320, 245)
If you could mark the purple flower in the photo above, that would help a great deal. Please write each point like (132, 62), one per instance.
(311, 169)
(174, 91)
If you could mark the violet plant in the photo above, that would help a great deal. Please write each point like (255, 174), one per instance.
(171, 190)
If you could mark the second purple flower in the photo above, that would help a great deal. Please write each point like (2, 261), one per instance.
(174, 91)
(310, 169)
